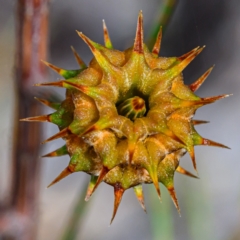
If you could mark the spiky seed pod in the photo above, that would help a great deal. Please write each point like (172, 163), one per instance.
(128, 117)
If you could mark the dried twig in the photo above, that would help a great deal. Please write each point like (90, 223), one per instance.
(19, 215)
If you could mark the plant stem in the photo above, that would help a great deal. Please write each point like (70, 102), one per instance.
(19, 215)
(76, 218)
(165, 14)
(161, 220)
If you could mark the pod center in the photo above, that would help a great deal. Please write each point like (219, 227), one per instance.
(132, 108)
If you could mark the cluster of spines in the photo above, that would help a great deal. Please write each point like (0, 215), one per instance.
(65, 112)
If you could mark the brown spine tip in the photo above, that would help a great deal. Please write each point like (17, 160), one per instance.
(185, 172)
(62, 175)
(194, 54)
(138, 43)
(63, 133)
(178, 68)
(140, 196)
(100, 57)
(174, 198)
(157, 45)
(105, 30)
(44, 118)
(47, 103)
(51, 154)
(106, 36)
(154, 177)
(213, 144)
(181, 58)
(78, 58)
(208, 100)
(118, 193)
(90, 189)
(101, 176)
(78, 87)
(52, 84)
(198, 122)
(197, 84)
(156, 184)
(87, 41)
(43, 101)
(192, 155)
(141, 201)
(58, 152)
(53, 67)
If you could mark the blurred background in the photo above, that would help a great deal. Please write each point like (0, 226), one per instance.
(210, 206)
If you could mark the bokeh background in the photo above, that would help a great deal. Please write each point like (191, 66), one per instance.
(210, 206)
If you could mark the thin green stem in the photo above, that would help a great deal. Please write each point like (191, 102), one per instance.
(76, 217)
(165, 13)
(161, 221)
